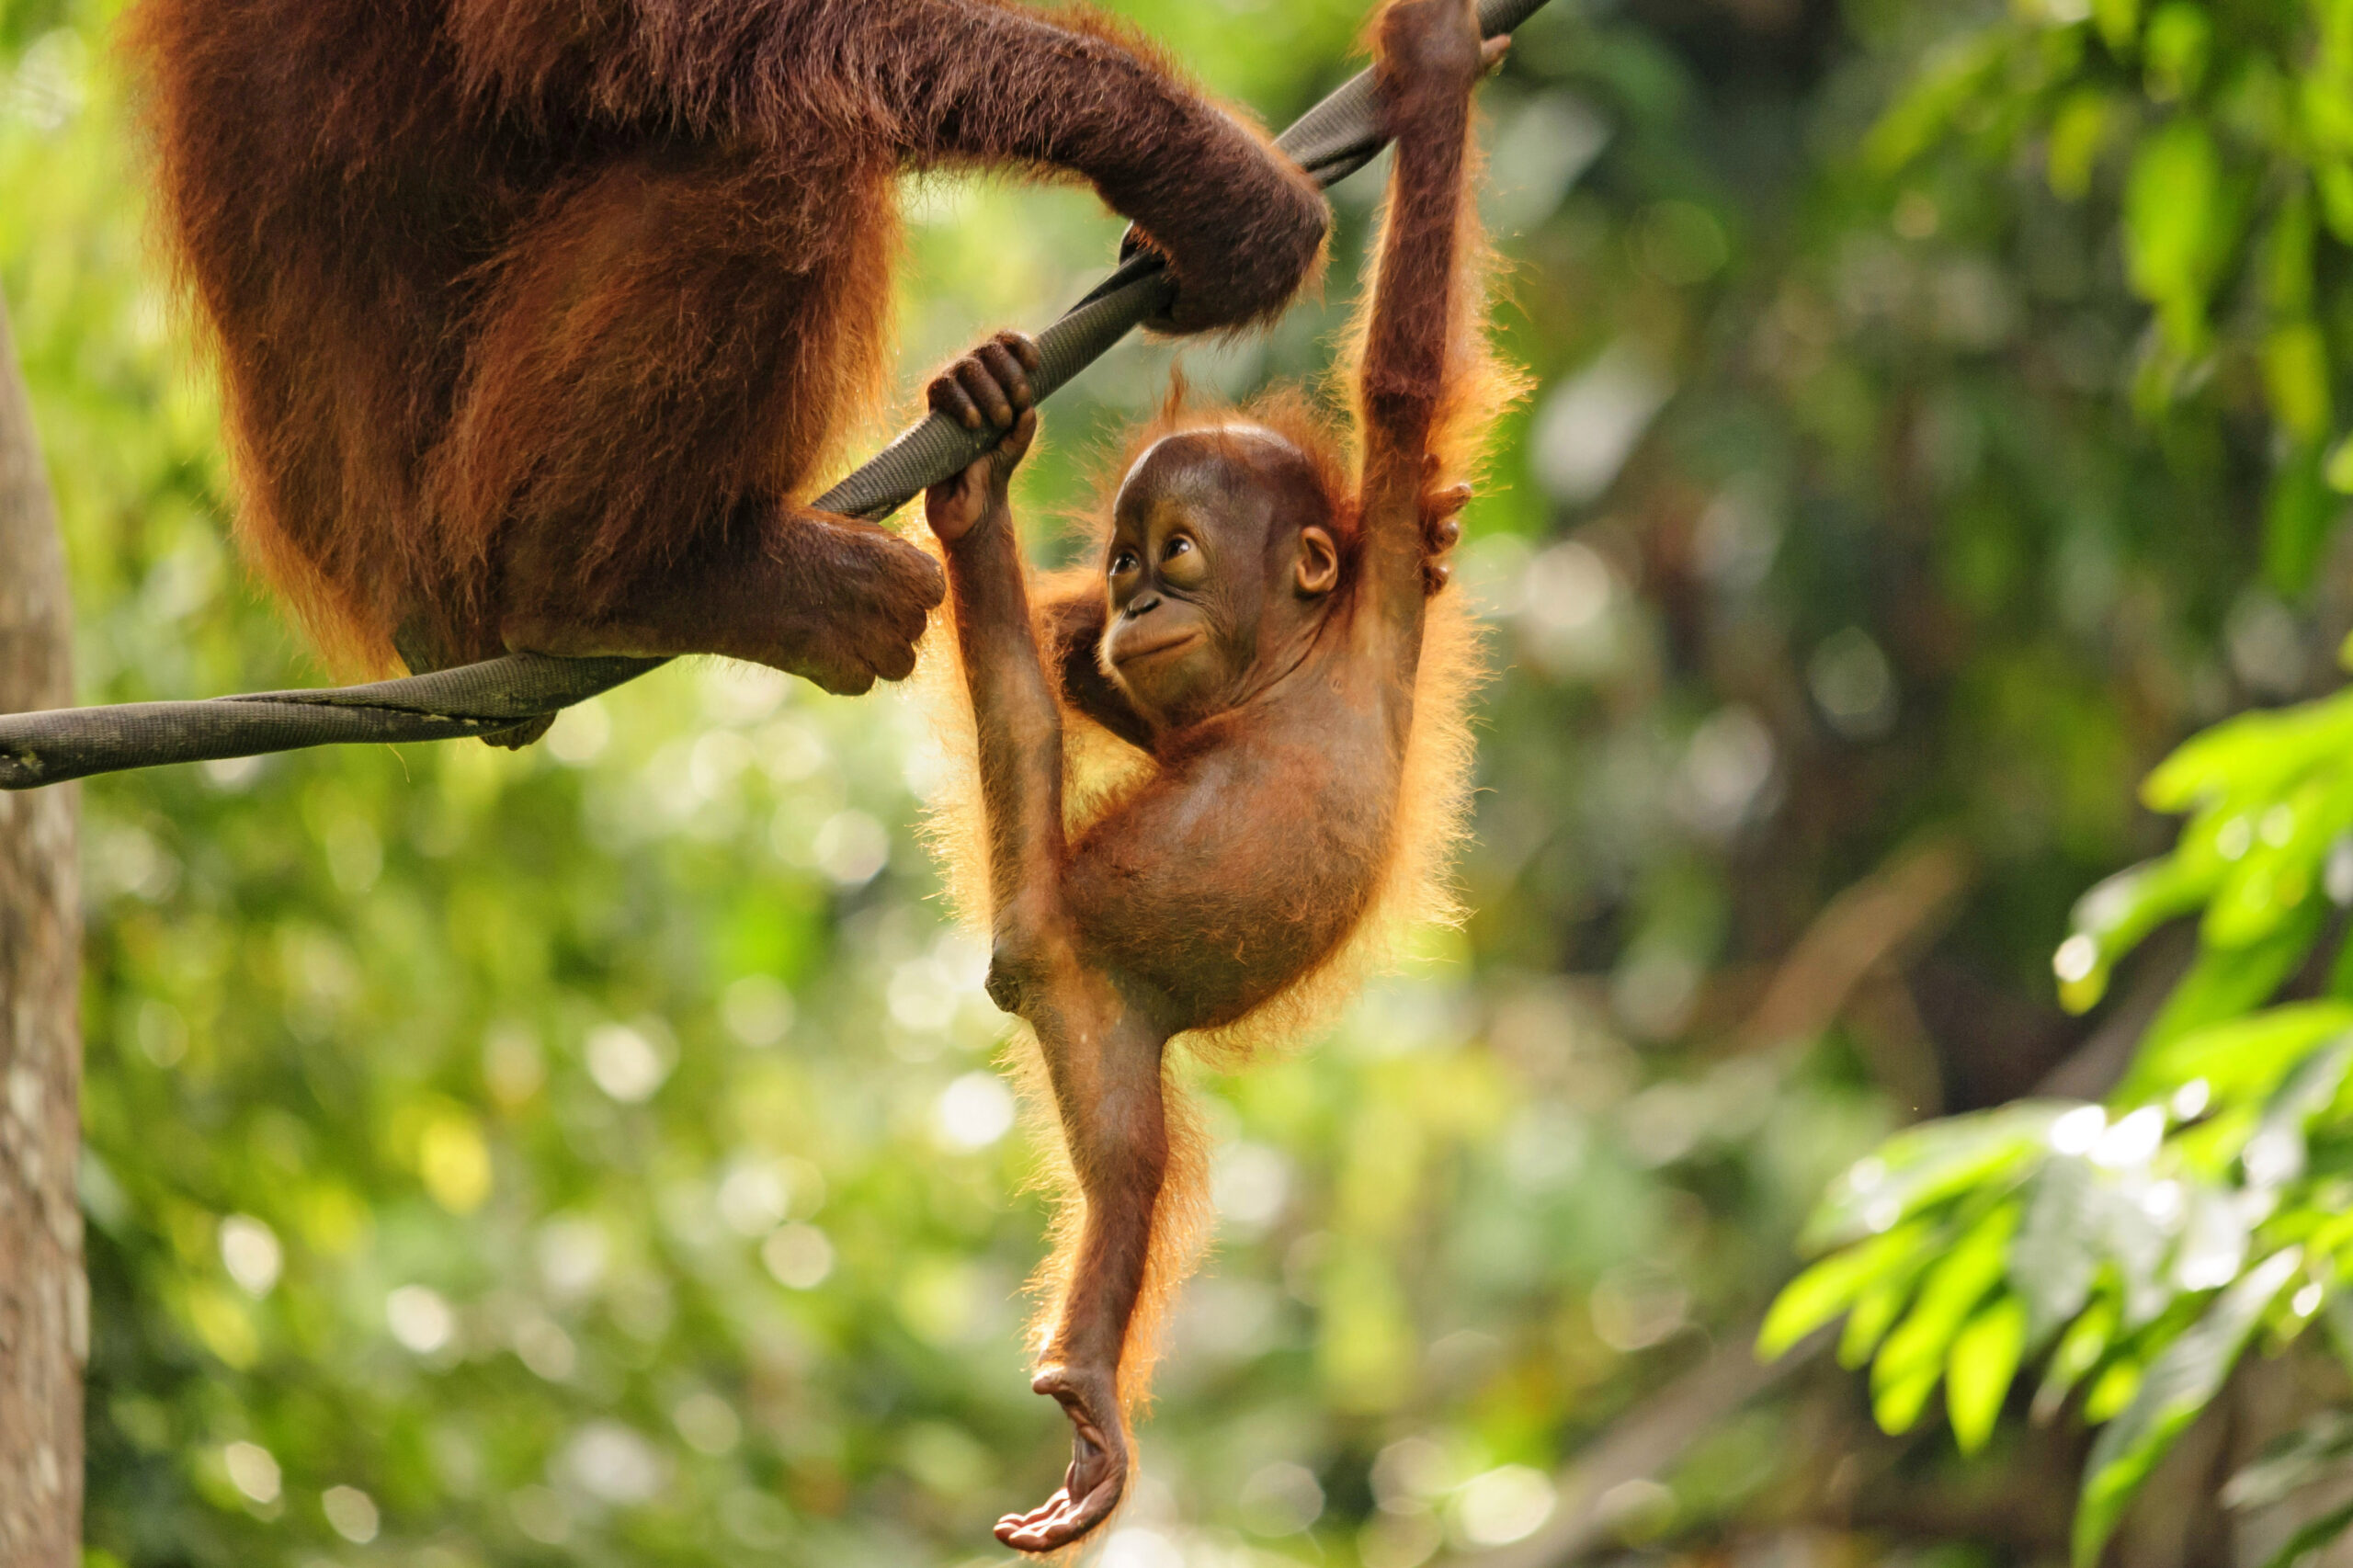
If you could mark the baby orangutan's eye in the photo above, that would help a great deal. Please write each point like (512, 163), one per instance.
(1178, 546)
(1123, 563)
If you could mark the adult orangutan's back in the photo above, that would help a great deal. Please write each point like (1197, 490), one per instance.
(538, 316)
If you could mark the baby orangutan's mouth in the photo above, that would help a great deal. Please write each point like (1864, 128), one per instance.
(1173, 642)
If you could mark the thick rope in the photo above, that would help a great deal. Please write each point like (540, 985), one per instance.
(1332, 140)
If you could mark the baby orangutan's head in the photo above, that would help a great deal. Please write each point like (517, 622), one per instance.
(1222, 560)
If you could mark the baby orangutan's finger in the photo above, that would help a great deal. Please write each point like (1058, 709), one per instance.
(949, 400)
(1441, 520)
(1006, 368)
(1023, 346)
(1491, 53)
(1015, 444)
(980, 382)
(1447, 502)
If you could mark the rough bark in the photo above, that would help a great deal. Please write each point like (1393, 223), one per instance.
(44, 1296)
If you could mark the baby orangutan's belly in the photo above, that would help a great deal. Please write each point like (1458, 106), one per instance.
(1242, 908)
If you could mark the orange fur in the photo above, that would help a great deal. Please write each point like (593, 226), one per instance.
(1200, 788)
(1415, 888)
(538, 317)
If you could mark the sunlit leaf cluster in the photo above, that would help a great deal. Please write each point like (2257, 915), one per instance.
(2136, 1248)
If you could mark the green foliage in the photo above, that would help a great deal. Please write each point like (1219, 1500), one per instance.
(2221, 134)
(2228, 1141)
(1941, 417)
(2181, 1380)
(2215, 142)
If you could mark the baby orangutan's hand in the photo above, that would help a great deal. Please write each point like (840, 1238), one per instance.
(1433, 46)
(987, 387)
(1441, 531)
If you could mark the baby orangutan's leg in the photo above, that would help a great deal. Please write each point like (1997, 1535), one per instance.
(1105, 1064)
(838, 601)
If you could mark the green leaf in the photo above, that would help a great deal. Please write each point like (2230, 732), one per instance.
(2119, 912)
(1898, 1400)
(2114, 1390)
(2285, 846)
(2296, 374)
(2174, 217)
(2077, 131)
(2276, 1152)
(2327, 118)
(1985, 1359)
(1875, 1312)
(2255, 755)
(1926, 1165)
(2056, 1256)
(2176, 46)
(2118, 22)
(2288, 256)
(2180, 1382)
(2299, 509)
(2224, 985)
(1909, 1363)
(1831, 1286)
(2338, 469)
(1922, 115)
(2240, 1060)
(2080, 1349)
(2336, 1309)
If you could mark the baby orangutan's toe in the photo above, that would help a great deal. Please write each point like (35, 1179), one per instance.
(1098, 1466)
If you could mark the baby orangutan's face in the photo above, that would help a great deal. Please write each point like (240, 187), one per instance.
(1219, 567)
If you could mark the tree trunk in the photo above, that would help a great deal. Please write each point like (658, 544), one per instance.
(44, 1296)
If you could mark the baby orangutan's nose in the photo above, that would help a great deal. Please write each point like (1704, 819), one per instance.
(1142, 605)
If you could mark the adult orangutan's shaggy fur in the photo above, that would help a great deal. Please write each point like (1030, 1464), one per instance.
(537, 316)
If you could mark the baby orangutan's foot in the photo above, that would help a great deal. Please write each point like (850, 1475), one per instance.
(1098, 1463)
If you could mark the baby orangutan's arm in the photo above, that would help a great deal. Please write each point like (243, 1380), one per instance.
(1013, 706)
(1102, 1048)
(1430, 58)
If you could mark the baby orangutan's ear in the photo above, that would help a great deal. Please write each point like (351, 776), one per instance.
(1317, 570)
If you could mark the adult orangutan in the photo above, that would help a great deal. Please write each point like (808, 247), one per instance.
(536, 315)
(1265, 627)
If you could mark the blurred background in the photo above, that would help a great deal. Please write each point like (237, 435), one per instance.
(594, 1155)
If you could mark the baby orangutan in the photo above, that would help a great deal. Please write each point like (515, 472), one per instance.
(1258, 628)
